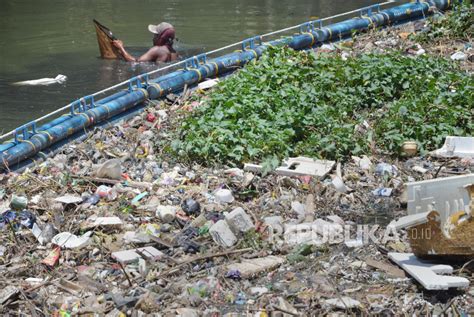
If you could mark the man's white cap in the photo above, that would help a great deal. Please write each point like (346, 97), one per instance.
(158, 29)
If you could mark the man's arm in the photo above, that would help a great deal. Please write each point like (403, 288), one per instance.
(119, 45)
(154, 54)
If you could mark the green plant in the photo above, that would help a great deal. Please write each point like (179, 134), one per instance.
(294, 103)
(455, 24)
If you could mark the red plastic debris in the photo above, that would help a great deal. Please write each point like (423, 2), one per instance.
(150, 117)
(53, 257)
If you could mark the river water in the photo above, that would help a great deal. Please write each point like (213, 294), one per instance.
(44, 38)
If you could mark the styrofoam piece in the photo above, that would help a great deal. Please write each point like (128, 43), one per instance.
(239, 220)
(355, 243)
(208, 84)
(298, 208)
(365, 163)
(224, 196)
(150, 252)
(126, 256)
(38, 233)
(445, 195)
(298, 166)
(69, 199)
(253, 168)
(111, 169)
(222, 234)
(129, 256)
(456, 146)
(251, 267)
(339, 184)
(275, 224)
(105, 221)
(428, 274)
(409, 221)
(71, 241)
(343, 302)
(136, 237)
(273, 220)
(166, 213)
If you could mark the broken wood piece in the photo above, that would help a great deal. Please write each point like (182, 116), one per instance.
(386, 267)
(214, 255)
(204, 257)
(141, 185)
(68, 286)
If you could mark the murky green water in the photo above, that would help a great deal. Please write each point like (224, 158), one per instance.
(44, 38)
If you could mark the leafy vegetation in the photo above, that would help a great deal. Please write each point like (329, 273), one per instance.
(456, 24)
(294, 103)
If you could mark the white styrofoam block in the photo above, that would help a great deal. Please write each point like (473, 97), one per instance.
(409, 221)
(128, 256)
(106, 221)
(208, 84)
(273, 220)
(456, 146)
(69, 199)
(275, 225)
(150, 252)
(445, 195)
(355, 243)
(224, 196)
(253, 168)
(427, 274)
(222, 234)
(239, 221)
(298, 166)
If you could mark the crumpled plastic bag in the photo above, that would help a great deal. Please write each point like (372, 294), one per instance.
(60, 79)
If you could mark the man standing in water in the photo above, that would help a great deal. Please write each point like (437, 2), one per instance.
(162, 50)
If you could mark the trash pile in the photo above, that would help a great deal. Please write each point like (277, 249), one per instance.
(107, 227)
(404, 39)
(112, 226)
